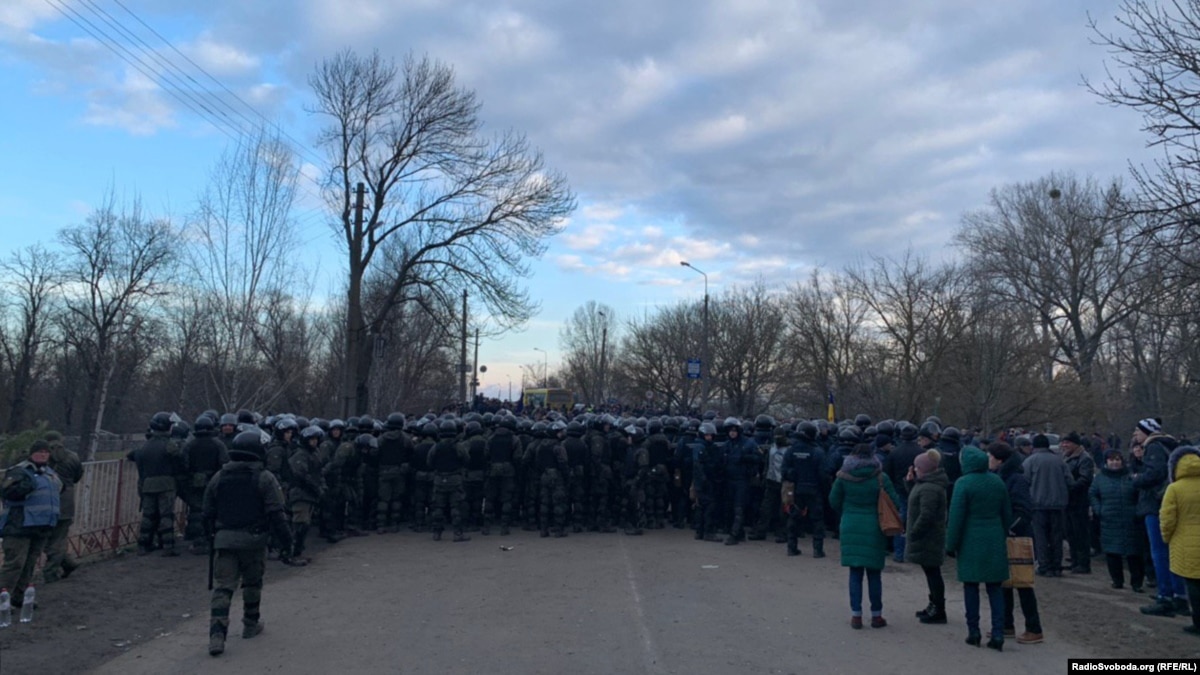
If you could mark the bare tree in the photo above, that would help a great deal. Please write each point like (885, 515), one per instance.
(31, 279)
(242, 259)
(919, 310)
(747, 347)
(654, 353)
(825, 340)
(115, 268)
(1156, 74)
(456, 209)
(1068, 251)
(587, 340)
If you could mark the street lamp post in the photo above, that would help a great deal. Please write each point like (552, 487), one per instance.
(545, 368)
(704, 364)
(603, 356)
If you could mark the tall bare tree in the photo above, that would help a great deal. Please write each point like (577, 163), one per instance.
(242, 258)
(587, 341)
(747, 347)
(1070, 252)
(919, 311)
(116, 266)
(31, 278)
(458, 210)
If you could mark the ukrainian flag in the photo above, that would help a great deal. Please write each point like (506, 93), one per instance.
(829, 409)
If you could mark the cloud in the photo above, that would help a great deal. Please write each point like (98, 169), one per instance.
(221, 59)
(742, 130)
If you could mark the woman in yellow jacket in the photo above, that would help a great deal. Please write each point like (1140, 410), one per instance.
(1180, 522)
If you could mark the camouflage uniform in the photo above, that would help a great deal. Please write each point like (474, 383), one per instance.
(158, 461)
(242, 504)
(59, 564)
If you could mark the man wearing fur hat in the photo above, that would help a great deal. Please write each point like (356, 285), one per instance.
(1151, 479)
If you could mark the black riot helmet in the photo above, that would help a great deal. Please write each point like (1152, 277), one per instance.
(952, 434)
(764, 423)
(365, 442)
(247, 446)
(807, 430)
(366, 424)
(204, 425)
(447, 428)
(707, 429)
(732, 424)
(161, 421)
(180, 430)
(430, 430)
(311, 432)
(473, 428)
(229, 420)
(862, 421)
(395, 421)
(908, 431)
(245, 417)
(849, 433)
(575, 429)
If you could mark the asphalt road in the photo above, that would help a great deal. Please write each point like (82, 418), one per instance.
(590, 603)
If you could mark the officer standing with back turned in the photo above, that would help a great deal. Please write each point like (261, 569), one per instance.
(243, 504)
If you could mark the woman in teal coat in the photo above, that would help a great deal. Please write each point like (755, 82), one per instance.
(980, 515)
(855, 495)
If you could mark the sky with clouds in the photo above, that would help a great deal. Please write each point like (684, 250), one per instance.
(754, 138)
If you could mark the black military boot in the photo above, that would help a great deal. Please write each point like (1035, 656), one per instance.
(818, 548)
(249, 630)
(757, 536)
(437, 535)
(216, 641)
(793, 549)
(459, 536)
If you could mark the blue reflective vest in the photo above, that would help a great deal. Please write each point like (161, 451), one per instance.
(41, 507)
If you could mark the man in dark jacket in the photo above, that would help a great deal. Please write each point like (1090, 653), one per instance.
(203, 456)
(158, 461)
(1154, 448)
(1007, 464)
(1078, 524)
(243, 503)
(1049, 488)
(896, 465)
(803, 490)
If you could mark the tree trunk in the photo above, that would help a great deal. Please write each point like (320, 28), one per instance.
(101, 403)
(20, 393)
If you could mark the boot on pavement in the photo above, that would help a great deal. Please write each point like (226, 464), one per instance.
(251, 629)
(818, 548)
(216, 642)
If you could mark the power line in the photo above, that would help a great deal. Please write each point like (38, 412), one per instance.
(199, 100)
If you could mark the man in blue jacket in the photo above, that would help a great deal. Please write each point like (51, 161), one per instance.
(31, 492)
(1150, 479)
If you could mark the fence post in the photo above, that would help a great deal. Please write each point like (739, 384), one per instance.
(116, 530)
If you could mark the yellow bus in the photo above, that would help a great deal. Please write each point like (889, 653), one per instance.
(550, 399)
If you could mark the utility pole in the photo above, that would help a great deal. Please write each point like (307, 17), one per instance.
(475, 370)
(355, 319)
(462, 362)
(603, 356)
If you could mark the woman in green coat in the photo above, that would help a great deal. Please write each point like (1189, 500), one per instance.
(926, 529)
(980, 515)
(855, 495)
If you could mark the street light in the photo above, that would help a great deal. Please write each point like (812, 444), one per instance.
(603, 356)
(545, 368)
(704, 356)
